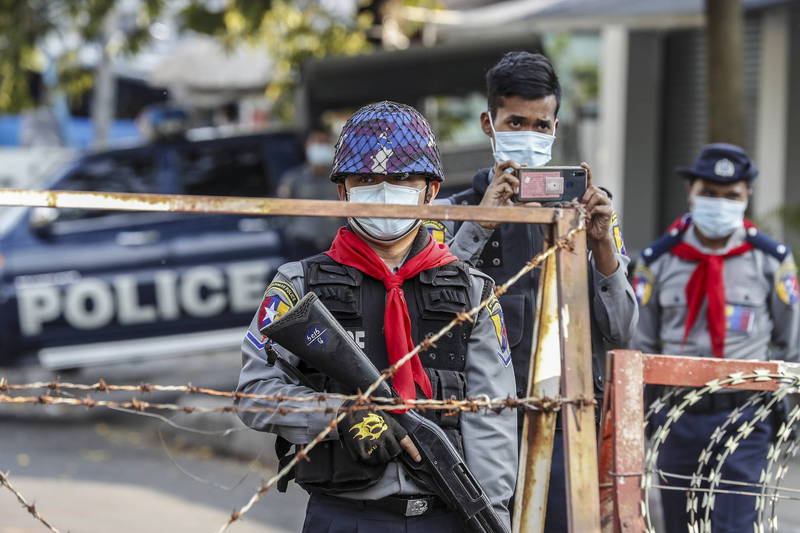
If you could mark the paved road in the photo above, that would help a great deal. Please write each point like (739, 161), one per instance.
(94, 471)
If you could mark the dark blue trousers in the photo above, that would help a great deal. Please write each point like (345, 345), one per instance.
(732, 513)
(556, 517)
(326, 514)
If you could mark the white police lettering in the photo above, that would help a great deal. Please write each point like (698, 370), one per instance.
(191, 291)
(91, 303)
(166, 282)
(37, 305)
(246, 285)
(130, 310)
(358, 337)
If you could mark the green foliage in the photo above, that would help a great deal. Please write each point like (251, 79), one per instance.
(290, 31)
(25, 28)
(20, 25)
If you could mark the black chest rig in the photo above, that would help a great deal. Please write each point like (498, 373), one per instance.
(358, 302)
(508, 248)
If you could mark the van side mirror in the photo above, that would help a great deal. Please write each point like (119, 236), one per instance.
(41, 220)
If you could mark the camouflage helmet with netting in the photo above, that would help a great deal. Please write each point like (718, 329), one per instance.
(387, 138)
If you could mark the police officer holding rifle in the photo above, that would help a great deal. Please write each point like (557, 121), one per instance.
(389, 285)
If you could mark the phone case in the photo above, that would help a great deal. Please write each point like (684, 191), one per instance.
(551, 184)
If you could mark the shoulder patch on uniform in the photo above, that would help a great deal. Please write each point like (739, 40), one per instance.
(643, 280)
(496, 315)
(616, 233)
(274, 305)
(436, 229)
(285, 289)
(786, 285)
(767, 244)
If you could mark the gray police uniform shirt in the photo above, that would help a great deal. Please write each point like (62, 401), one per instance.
(489, 438)
(614, 312)
(761, 296)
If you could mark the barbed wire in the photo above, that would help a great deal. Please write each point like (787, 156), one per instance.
(713, 490)
(567, 241)
(725, 440)
(30, 507)
(763, 485)
(137, 406)
(538, 403)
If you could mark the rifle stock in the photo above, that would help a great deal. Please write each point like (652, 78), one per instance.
(312, 333)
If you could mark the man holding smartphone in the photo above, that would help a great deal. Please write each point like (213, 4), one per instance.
(523, 100)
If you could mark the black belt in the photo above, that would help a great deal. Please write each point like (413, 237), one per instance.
(714, 403)
(399, 505)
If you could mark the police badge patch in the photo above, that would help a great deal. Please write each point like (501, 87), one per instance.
(272, 308)
(643, 284)
(436, 229)
(286, 290)
(616, 233)
(496, 314)
(786, 284)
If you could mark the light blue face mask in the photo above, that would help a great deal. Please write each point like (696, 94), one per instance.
(319, 154)
(717, 217)
(385, 229)
(528, 148)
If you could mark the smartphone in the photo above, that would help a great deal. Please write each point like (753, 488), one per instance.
(550, 184)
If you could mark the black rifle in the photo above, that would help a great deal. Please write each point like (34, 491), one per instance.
(311, 332)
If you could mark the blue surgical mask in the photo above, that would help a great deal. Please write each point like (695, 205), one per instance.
(717, 217)
(528, 148)
(385, 229)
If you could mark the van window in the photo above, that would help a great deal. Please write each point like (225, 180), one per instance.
(224, 169)
(115, 173)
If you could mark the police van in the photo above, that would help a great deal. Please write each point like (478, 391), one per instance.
(84, 287)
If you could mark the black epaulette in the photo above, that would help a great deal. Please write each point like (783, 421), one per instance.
(663, 244)
(767, 244)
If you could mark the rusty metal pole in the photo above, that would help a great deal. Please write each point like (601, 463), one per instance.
(606, 445)
(229, 205)
(580, 442)
(626, 403)
(538, 428)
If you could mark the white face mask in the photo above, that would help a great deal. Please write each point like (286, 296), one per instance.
(319, 154)
(717, 217)
(385, 229)
(528, 148)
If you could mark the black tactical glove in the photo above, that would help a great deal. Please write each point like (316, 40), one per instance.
(372, 437)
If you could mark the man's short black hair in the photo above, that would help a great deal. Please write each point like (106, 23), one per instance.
(524, 74)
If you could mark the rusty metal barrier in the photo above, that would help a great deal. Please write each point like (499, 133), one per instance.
(563, 327)
(628, 461)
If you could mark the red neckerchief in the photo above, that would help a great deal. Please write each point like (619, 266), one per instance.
(707, 281)
(349, 249)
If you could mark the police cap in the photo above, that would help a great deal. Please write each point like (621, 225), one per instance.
(723, 163)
